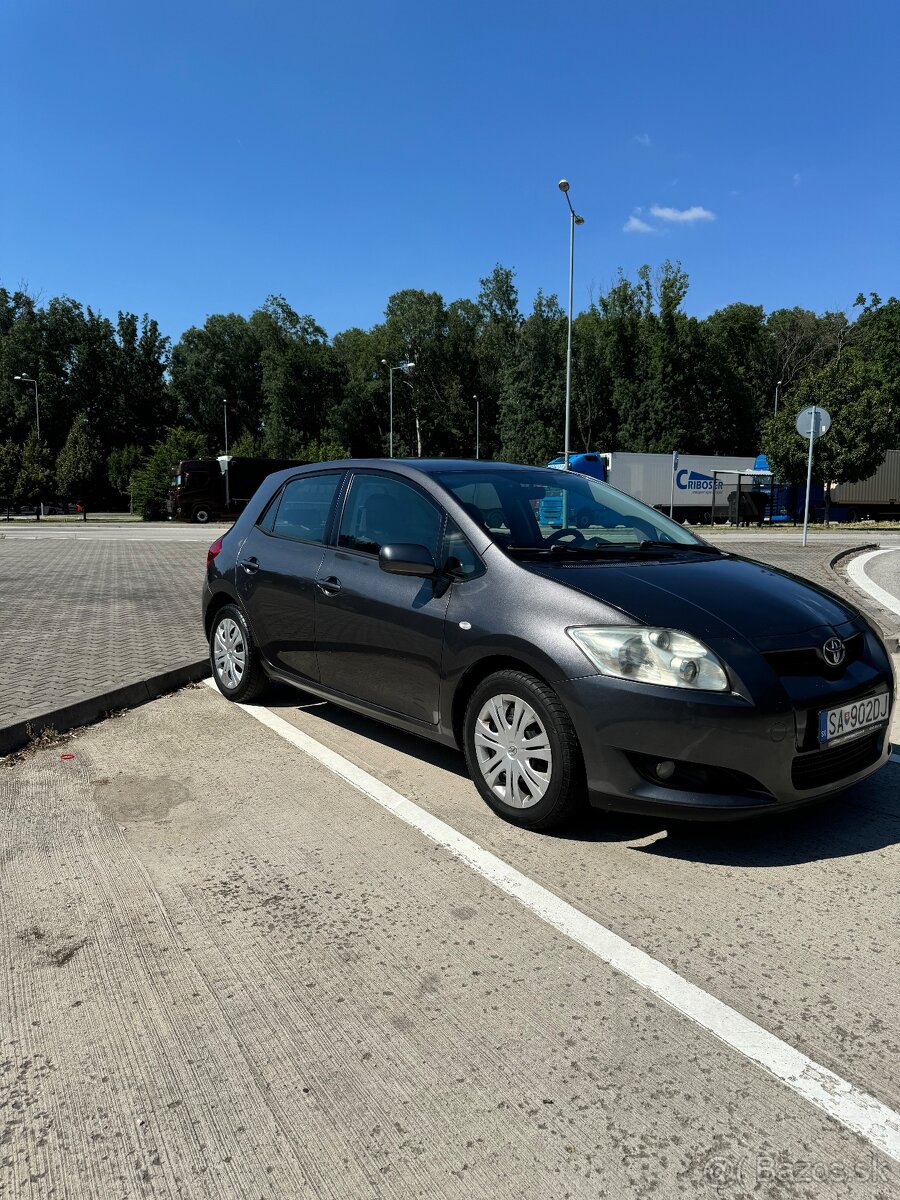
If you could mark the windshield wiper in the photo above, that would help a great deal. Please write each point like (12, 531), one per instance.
(576, 551)
(691, 547)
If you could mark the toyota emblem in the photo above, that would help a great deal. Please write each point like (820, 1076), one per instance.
(833, 652)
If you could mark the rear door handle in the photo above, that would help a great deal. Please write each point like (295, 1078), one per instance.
(250, 565)
(330, 586)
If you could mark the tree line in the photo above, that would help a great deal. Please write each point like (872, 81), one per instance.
(119, 403)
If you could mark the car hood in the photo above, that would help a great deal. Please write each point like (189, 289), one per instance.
(713, 597)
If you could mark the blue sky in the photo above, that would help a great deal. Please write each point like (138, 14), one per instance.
(183, 159)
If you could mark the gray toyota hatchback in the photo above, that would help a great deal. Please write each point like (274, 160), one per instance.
(611, 656)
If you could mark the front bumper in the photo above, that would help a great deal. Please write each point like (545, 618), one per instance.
(731, 758)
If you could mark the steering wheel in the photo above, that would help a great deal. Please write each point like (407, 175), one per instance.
(566, 531)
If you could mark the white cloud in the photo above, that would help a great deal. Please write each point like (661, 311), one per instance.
(796, 179)
(636, 225)
(683, 215)
(643, 139)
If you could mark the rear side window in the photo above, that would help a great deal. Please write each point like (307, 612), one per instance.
(380, 510)
(267, 520)
(304, 508)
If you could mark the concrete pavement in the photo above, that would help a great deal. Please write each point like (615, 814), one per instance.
(228, 973)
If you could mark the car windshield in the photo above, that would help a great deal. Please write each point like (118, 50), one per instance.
(536, 510)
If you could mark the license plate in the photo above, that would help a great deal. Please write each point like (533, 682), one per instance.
(835, 724)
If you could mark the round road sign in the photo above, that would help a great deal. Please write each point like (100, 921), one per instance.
(813, 420)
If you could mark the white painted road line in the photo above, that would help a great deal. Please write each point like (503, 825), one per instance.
(853, 1108)
(856, 569)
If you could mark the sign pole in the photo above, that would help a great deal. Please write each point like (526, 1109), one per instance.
(674, 471)
(813, 426)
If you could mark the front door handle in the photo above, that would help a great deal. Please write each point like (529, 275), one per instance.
(250, 565)
(330, 586)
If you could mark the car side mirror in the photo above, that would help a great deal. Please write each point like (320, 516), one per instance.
(406, 558)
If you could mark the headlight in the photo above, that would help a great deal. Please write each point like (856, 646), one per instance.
(661, 656)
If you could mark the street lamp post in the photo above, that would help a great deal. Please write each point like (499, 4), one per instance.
(477, 425)
(574, 220)
(37, 409)
(406, 367)
(777, 389)
(225, 409)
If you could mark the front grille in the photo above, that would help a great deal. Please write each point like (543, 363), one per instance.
(808, 660)
(821, 767)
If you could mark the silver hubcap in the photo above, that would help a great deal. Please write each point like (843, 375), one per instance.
(229, 652)
(513, 751)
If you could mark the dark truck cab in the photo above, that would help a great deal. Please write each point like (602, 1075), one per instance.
(207, 489)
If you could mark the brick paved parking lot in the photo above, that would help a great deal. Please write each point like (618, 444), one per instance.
(92, 616)
(85, 618)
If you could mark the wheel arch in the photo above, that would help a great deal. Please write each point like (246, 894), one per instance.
(218, 601)
(478, 672)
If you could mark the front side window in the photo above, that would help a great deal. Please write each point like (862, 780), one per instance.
(380, 510)
(305, 506)
(457, 556)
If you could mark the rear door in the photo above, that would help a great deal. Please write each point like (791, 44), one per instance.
(277, 569)
(379, 637)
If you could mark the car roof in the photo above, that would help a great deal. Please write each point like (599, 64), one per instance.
(411, 466)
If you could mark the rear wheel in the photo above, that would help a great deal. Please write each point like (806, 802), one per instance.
(235, 661)
(522, 751)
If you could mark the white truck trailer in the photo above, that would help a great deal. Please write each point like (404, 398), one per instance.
(684, 480)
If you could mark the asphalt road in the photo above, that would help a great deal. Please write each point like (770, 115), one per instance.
(229, 973)
(885, 571)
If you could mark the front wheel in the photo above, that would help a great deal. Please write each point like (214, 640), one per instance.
(522, 751)
(235, 661)
(201, 515)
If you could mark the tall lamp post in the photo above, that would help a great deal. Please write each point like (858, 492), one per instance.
(406, 367)
(37, 410)
(225, 411)
(574, 220)
(777, 389)
(477, 425)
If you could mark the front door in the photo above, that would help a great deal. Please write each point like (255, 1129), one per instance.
(277, 570)
(380, 637)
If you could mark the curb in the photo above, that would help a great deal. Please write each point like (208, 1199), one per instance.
(849, 551)
(85, 711)
(884, 618)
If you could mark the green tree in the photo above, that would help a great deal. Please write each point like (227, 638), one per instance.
(863, 425)
(359, 416)
(247, 446)
(152, 481)
(213, 366)
(532, 401)
(35, 474)
(10, 465)
(323, 450)
(77, 465)
(121, 467)
(300, 376)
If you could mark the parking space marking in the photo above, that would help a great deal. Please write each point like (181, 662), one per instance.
(853, 1108)
(856, 569)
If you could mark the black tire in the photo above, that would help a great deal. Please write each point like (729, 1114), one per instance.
(565, 792)
(584, 519)
(201, 515)
(253, 680)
